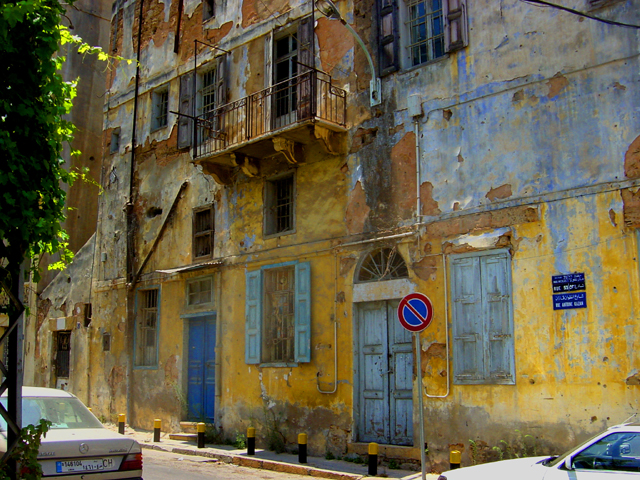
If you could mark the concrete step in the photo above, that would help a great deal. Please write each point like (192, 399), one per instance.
(185, 437)
(189, 427)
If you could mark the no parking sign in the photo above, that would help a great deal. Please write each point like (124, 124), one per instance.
(415, 312)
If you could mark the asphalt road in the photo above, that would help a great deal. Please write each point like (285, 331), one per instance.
(159, 465)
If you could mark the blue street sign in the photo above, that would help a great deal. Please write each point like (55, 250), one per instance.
(564, 301)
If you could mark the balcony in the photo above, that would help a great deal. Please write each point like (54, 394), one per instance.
(281, 121)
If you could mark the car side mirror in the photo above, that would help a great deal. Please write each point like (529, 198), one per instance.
(568, 463)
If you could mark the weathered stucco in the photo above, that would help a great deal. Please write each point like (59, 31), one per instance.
(526, 140)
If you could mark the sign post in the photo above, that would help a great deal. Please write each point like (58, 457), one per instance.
(415, 313)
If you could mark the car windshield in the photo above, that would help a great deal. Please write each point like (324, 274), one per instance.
(559, 459)
(62, 412)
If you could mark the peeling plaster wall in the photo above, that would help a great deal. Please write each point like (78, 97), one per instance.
(527, 141)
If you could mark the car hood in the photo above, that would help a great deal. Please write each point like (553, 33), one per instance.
(97, 441)
(527, 468)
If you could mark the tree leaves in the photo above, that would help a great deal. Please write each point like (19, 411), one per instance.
(33, 130)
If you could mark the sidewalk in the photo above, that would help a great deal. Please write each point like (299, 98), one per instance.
(267, 460)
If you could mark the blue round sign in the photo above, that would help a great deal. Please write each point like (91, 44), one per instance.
(415, 312)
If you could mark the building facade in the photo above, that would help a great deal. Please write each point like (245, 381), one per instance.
(263, 217)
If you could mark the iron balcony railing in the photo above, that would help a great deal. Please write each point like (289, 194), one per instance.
(308, 96)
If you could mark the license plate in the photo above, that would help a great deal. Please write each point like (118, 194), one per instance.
(90, 465)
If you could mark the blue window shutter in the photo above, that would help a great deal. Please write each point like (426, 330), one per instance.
(468, 365)
(253, 317)
(303, 313)
(499, 349)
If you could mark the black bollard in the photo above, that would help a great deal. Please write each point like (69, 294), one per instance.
(201, 428)
(302, 447)
(121, 420)
(157, 426)
(251, 441)
(373, 459)
(454, 459)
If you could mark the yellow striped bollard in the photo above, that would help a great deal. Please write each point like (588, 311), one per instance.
(455, 458)
(251, 441)
(157, 426)
(121, 419)
(373, 459)
(201, 427)
(302, 447)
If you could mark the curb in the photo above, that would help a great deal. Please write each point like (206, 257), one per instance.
(258, 463)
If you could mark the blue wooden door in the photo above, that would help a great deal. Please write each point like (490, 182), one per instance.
(202, 380)
(384, 412)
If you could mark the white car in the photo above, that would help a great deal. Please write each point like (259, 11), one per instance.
(612, 454)
(77, 446)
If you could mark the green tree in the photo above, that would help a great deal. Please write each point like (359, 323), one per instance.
(34, 99)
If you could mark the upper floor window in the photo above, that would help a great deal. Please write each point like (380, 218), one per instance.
(146, 333)
(279, 203)
(426, 32)
(160, 108)
(414, 32)
(208, 9)
(201, 95)
(291, 60)
(207, 91)
(114, 147)
(203, 232)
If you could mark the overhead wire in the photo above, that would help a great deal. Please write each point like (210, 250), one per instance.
(581, 14)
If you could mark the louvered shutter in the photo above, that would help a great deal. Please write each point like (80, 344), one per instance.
(253, 317)
(303, 313)
(221, 80)
(455, 20)
(496, 284)
(389, 40)
(467, 321)
(185, 124)
(305, 60)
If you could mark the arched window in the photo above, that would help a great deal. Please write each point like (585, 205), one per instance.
(382, 264)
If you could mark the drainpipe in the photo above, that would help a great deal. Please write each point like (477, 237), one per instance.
(335, 332)
(414, 106)
(130, 226)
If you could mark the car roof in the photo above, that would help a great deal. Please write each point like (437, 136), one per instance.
(42, 392)
(635, 426)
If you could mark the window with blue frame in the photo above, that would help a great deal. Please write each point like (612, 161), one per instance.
(482, 318)
(278, 316)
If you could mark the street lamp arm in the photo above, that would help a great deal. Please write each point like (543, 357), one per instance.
(329, 10)
(364, 48)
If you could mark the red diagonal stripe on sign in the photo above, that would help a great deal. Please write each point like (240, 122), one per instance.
(415, 312)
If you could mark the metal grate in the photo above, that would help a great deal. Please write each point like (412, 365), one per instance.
(283, 204)
(279, 205)
(147, 328)
(63, 354)
(208, 91)
(426, 31)
(257, 115)
(279, 315)
(203, 232)
(382, 264)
